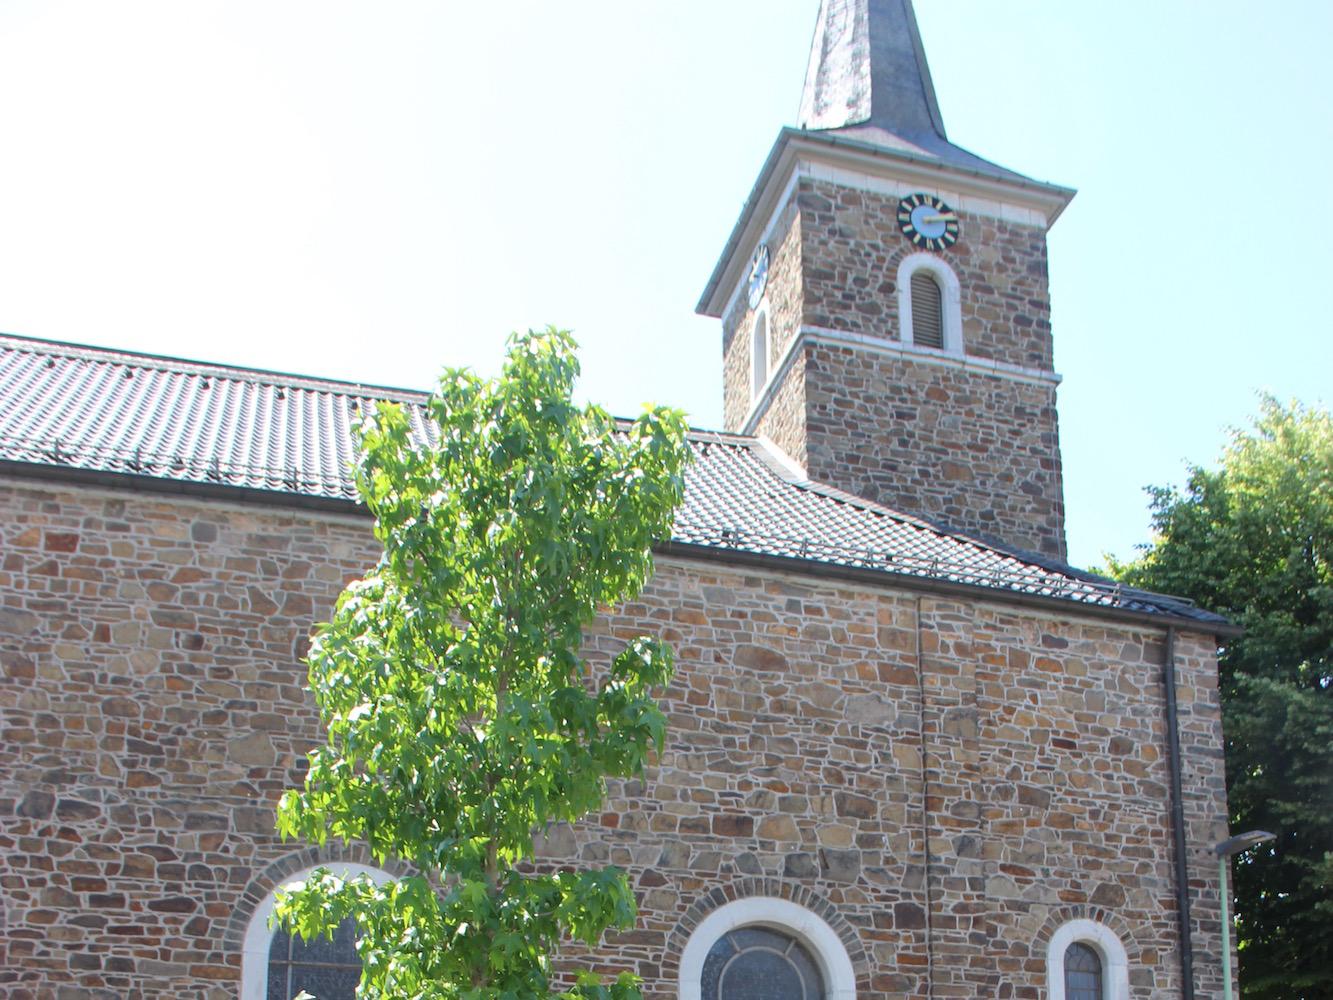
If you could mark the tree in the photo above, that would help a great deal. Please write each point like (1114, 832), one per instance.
(461, 715)
(1253, 540)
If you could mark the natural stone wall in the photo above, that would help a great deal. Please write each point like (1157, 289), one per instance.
(783, 421)
(783, 294)
(945, 781)
(977, 452)
(851, 248)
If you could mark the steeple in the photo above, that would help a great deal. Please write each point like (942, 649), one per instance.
(912, 370)
(867, 80)
(867, 67)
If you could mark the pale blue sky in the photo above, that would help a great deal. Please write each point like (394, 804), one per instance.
(371, 191)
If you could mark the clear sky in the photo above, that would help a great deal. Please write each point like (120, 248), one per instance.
(372, 191)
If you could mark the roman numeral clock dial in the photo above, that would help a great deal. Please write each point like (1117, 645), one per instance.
(928, 222)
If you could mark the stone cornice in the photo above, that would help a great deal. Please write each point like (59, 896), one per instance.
(886, 348)
(798, 153)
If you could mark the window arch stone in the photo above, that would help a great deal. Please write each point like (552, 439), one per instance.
(808, 928)
(1102, 940)
(951, 299)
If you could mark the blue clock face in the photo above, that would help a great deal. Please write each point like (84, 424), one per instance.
(757, 280)
(928, 222)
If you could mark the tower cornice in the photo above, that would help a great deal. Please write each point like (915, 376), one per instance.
(798, 151)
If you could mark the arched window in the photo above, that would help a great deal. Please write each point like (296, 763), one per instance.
(1083, 973)
(927, 311)
(328, 970)
(765, 948)
(759, 352)
(760, 963)
(929, 304)
(276, 965)
(1086, 961)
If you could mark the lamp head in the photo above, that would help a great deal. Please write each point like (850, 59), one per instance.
(1242, 842)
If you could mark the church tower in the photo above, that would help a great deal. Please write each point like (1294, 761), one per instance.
(884, 300)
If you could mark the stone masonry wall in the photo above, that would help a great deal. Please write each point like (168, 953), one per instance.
(945, 781)
(783, 294)
(977, 452)
(851, 247)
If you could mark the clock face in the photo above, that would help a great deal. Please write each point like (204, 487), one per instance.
(757, 280)
(928, 222)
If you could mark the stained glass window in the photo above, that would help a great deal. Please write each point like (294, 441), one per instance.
(1083, 973)
(758, 963)
(327, 970)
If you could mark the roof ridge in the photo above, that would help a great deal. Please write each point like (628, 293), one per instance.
(190, 366)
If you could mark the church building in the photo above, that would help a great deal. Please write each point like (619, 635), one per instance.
(911, 753)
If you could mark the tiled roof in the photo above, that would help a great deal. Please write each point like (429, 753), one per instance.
(78, 408)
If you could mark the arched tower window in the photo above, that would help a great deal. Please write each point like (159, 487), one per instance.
(276, 965)
(929, 304)
(927, 310)
(759, 352)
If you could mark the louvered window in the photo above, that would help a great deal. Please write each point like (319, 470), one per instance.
(927, 311)
(1083, 973)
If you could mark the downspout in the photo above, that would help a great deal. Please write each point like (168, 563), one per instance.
(1178, 818)
(925, 812)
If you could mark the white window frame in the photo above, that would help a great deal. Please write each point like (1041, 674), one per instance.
(808, 927)
(1102, 940)
(259, 936)
(760, 360)
(950, 295)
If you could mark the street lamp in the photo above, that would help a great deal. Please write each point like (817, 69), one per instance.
(1225, 850)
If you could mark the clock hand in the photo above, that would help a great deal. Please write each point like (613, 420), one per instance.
(940, 218)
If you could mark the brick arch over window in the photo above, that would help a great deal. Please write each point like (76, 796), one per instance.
(259, 892)
(1105, 932)
(761, 891)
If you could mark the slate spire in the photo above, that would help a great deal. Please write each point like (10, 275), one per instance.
(867, 67)
(868, 81)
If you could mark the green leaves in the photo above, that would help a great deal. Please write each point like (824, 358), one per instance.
(1254, 539)
(461, 715)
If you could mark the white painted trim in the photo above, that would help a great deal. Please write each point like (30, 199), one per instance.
(889, 348)
(895, 187)
(1103, 940)
(951, 294)
(809, 928)
(784, 461)
(258, 934)
(759, 381)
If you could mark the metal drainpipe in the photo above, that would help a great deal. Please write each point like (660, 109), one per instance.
(925, 812)
(1178, 818)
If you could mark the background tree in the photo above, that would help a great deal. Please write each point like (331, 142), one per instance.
(1253, 539)
(461, 716)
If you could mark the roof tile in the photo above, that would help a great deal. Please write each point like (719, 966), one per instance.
(112, 411)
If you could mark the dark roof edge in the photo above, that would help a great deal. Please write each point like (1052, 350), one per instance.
(351, 508)
(138, 483)
(881, 578)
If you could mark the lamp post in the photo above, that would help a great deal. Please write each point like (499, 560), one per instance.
(1225, 850)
